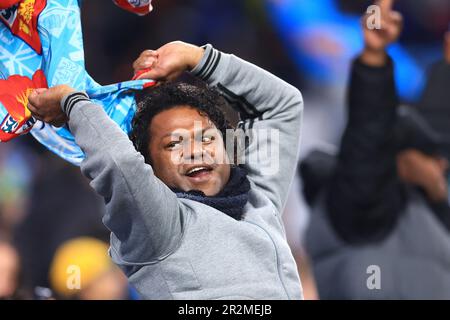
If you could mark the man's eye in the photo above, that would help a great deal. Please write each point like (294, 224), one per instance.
(173, 144)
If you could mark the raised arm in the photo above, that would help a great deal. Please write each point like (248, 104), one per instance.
(143, 215)
(365, 198)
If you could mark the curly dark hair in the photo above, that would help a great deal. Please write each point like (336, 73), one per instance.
(154, 100)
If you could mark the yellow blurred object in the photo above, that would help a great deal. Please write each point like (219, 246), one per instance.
(78, 263)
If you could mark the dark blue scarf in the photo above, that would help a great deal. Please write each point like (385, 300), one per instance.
(231, 200)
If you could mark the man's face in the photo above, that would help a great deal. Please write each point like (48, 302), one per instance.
(428, 172)
(187, 151)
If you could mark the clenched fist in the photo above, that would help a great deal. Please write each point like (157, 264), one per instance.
(168, 62)
(376, 40)
(45, 104)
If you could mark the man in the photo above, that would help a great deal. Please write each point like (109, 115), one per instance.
(185, 224)
(381, 220)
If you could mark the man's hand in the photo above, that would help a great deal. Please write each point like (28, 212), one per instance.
(168, 62)
(45, 104)
(424, 171)
(376, 40)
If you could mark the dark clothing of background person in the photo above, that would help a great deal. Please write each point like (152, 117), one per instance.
(363, 214)
(62, 207)
(434, 105)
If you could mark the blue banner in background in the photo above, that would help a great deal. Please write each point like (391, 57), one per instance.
(323, 40)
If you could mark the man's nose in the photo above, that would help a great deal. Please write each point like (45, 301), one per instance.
(195, 151)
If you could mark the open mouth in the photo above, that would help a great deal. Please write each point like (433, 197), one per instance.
(198, 171)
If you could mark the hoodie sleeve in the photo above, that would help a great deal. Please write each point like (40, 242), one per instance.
(271, 113)
(143, 214)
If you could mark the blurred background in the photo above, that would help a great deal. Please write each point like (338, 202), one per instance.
(45, 202)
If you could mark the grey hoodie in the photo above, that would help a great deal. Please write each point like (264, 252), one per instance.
(174, 248)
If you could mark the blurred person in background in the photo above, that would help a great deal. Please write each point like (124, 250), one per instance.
(9, 270)
(10, 273)
(321, 38)
(434, 104)
(380, 225)
(82, 269)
